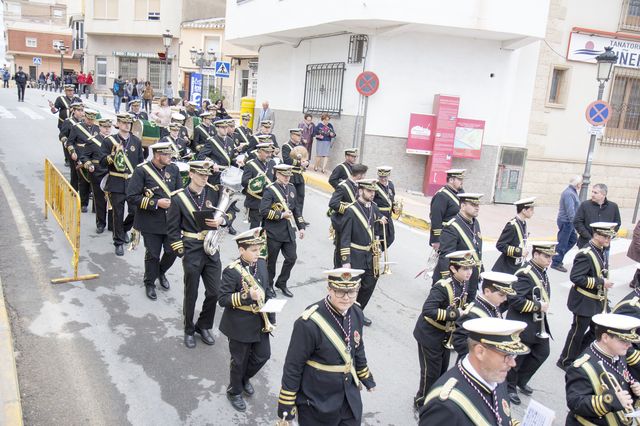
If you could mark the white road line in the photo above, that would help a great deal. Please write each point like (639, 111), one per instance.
(30, 113)
(5, 113)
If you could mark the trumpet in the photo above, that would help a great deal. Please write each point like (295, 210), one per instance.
(450, 326)
(539, 317)
(609, 382)
(247, 284)
(603, 295)
(387, 267)
(397, 208)
(282, 421)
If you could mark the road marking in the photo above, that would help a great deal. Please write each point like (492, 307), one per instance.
(5, 113)
(31, 114)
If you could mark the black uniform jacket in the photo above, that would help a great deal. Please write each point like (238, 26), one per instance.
(587, 275)
(346, 194)
(92, 155)
(132, 147)
(180, 218)
(218, 150)
(65, 129)
(444, 206)
(458, 234)
(271, 135)
(297, 178)
(80, 136)
(360, 227)
(140, 115)
(243, 135)
(200, 136)
(510, 245)
(180, 145)
(453, 401)
(303, 384)
(439, 311)
(481, 308)
(340, 173)
(148, 185)
(522, 306)
(630, 305)
(585, 399)
(238, 321)
(62, 104)
(252, 169)
(590, 212)
(384, 198)
(276, 199)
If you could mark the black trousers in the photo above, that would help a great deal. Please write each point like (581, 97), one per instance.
(246, 360)
(578, 339)
(67, 156)
(21, 88)
(99, 201)
(80, 184)
(299, 195)
(154, 266)
(255, 219)
(434, 362)
(197, 264)
(5, 84)
(367, 285)
(337, 261)
(309, 416)
(527, 365)
(288, 249)
(120, 224)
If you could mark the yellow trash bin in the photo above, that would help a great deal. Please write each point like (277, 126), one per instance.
(248, 105)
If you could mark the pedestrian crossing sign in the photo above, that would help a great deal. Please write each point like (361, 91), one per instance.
(222, 69)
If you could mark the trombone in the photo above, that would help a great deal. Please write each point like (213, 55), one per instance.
(539, 317)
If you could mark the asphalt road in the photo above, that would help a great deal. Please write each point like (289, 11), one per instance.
(100, 352)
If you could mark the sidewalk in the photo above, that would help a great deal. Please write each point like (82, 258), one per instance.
(493, 217)
(11, 408)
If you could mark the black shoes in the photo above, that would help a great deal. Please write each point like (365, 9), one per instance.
(100, 229)
(164, 282)
(151, 292)
(189, 341)
(84, 209)
(560, 268)
(514, 398)
(206, 336)
(126, 238)
(525, 389)
(270, 292)
(237, 402)
(248, 389)
(285, 290)
(366, 321)
(119, 250)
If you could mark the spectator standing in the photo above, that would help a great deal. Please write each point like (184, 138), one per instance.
(168, 93)
(139, 87)
(597, 209)
(267, 114)
(567, 237)
(21, 79)
(162, 116)
(89, 84)
(308, 128)
(221, 113)
(128, 93)
(118, 93)
(67, 79)
(42, 80)
(147, 96)
(324, 135)
(82, 81)
(6, 76)
(634, 254)
(74, 80)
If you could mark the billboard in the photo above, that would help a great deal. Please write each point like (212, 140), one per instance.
(468, 138)
(421, 134)
(195, 89)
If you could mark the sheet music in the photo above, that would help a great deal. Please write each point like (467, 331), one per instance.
(273, 305)
(538, 415)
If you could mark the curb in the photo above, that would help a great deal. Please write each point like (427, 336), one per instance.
(11, 406)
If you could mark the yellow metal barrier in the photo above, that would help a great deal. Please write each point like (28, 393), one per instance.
(64, 202)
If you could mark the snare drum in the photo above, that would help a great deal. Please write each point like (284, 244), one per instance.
(231, 177)
(147, 131)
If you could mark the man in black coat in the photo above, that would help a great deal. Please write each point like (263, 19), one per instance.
(299, 164)
(203, 132)
(385, 198)
(281, 218)
(91, 159)
(343, 170)
(242, 294)
(135, 111)
(62, 106)
(445, 204)
(512, 243)
(256, 176)
(81, 134)
(326, 365)
(21, 79)
(597, 209)
(530, 304)
(588, 295)
(150, 189)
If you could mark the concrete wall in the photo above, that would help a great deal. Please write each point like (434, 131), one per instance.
(199, 9)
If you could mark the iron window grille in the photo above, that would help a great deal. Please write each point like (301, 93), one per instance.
(357, 48)
(323, 88)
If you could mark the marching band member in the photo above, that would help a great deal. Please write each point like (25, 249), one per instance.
(243, 134)
(178, 143)
(326, 365)
(265, 129)
(473, 392)
(122, 153)
(630, 305)
(186, 238)
(218, 150)
(600, 390)
(385, 199)
(588, 296)
(242, 294)
(62, 107)
(343, 170)
(299, 164)
(445, 204)
(81, 135)
(257, 174)
(203, 131)
(150, 189)
(281, 217)
(513, 239)
(134, 110)
(531, 304)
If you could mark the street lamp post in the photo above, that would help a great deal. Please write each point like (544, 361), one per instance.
(606, 61)
(62, 49)
(202, 59)
(167, 37)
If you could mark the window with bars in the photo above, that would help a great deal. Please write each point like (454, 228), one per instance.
(357, 48)
(128, 68)
(323, 88)
(156, 73)
(630, 18)
(623, 128)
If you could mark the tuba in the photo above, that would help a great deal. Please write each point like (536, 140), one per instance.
(230, 179)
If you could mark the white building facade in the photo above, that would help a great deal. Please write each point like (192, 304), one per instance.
(484, 53)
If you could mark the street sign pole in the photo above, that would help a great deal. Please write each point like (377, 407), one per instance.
(586, 175)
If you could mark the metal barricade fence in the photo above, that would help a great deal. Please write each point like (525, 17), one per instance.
(64, 203)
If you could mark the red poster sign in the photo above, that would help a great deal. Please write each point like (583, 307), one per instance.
(446, 110)
(421, 134)
(468, 138)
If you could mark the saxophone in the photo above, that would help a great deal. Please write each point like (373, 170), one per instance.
(247, 284)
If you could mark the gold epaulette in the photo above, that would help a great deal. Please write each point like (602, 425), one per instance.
(444, 281)
(447, 388)
(513, 222)
(233, 264)
(178, 191)
(524, 270)
(584, 250)
(214, 187)
(578, 362)
(449, 222)
(306, 314)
